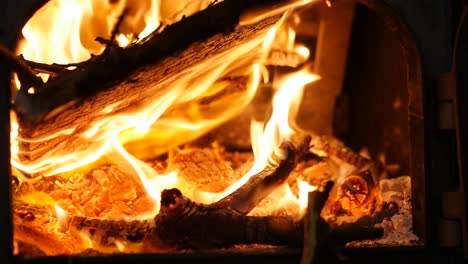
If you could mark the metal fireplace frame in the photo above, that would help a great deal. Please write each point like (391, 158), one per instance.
(433, 25)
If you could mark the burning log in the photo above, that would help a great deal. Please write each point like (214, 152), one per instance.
(184, 223)
(123, 78)
(244, 199)
(219, 227)
(354, 196)
(334, 149)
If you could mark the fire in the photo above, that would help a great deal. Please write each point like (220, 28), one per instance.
(62, 218)
(174, 116)
(73, 25)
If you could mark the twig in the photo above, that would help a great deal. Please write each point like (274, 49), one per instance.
(112, 39)
(25, 73)
(52, 69)
(117, 25)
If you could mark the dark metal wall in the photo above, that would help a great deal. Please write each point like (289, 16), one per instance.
(12, 16)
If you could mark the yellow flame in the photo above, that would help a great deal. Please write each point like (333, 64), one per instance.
(64, 31)
(148, 122)
(304, 189)
(266, 139)
(172, 114)
(256, 15)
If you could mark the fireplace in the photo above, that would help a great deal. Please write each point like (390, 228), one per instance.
(385, 84)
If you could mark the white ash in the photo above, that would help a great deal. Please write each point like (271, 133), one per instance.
(398, 229)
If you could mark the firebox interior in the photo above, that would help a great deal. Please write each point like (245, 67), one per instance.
(378, 103)
(369, 94)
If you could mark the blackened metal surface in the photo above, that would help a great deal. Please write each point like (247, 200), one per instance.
(271, 256)
(5, 212)
(13, 14)
(461, 67)
(383, 91)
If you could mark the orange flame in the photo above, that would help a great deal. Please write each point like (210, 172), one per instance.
(160, 121)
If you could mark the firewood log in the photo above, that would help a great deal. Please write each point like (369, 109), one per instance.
(182, 223)
(123, 78)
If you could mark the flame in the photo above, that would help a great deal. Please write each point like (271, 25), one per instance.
(64, 31)
(172, 114)
(62, 218)
(267, 138)
(304, 189)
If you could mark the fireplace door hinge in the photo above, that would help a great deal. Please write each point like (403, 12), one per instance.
(446, 94)
(450, 228)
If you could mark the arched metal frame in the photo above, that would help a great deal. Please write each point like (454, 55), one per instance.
(17, 12)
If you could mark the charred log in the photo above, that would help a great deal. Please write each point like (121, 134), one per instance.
(182, 223)
(116, 64)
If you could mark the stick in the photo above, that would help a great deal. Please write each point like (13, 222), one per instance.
(52, 69)
(26, 75)
(184, 223)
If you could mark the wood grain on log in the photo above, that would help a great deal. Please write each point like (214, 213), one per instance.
(147, 83)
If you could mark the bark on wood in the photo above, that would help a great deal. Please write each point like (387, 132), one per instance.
(183, 222)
